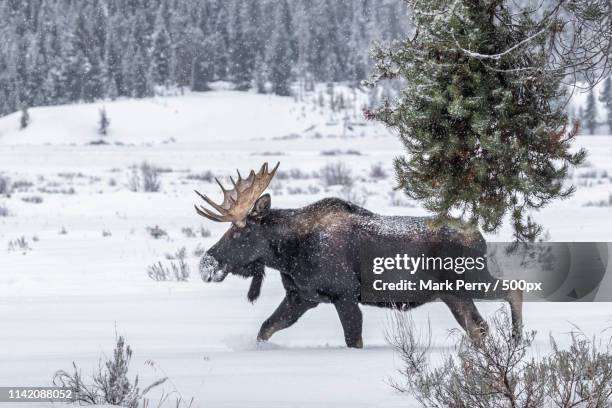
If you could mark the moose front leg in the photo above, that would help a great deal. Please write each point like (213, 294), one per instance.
(467, 315)
(352, 321)
(288, 312)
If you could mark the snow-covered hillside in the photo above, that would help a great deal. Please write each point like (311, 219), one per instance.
(76, 244)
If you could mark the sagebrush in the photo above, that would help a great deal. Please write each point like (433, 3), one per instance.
(109, 384)
(498, 371)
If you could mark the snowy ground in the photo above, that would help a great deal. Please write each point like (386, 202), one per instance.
(80, 272)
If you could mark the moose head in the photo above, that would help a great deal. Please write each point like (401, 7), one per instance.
(242, 249)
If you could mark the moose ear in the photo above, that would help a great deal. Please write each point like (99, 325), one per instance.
(262, 206)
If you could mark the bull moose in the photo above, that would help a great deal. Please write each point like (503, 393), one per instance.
(316, 251)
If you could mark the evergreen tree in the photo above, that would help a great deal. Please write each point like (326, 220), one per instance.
(99, 26)
(112, 63)
(260, 75)
(140, 79)
(278, 55)
(21, 67)
(103, 122)
(79, 64)
(357, 58)
(111, 88)
(253, 29)
(325, 44)
(57, 51)
(93, 86)
(183, 49)
(161, 54)
(241, 52)
(202, 69)
(482, 140)
(55, 82)
(303, 38)
(606, 99)
(24, 120)
(221, 41)
(590, 114)
(37, 73)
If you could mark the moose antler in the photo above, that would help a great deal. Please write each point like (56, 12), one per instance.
(238, 201)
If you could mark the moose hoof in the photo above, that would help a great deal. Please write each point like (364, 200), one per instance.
(264, 335)
(355, 344)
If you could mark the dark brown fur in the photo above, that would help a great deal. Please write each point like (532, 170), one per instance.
(316, 249)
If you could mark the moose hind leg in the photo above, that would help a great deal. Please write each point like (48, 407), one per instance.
(351, 320)
(515, 299)
(288, 312)
(466, 314)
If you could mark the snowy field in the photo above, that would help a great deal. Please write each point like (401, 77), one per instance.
(76, 245)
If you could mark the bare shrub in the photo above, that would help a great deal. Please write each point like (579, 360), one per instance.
(191, 233)
(199, 251)
(313, 189)
(338, 152)
(98, 142)
(204, 176)
(4, 211)
(358, 197)
(204, 232)
(177, 268)
(145, 178)
(600, 203)
(47, 190)
(298, 174)
(398, 199)
(32, 199)
(150, 177)
(165, 401)
(276, 185)
(268, 153)
(156, 232)
(163, 169)
(21, 185)
(295, 190)
(5, 185)
(134, 180)
(109, 384)
(496, 371)
(591, 173)
(334, 174)
(188, 232)
(179, 254)
(282, 175)
(70, 175)
(19, 244)
(178, 271)
(158, 272)
(377, 172)
(580, 375)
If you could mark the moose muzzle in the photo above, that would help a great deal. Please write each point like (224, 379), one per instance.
(211, 270)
